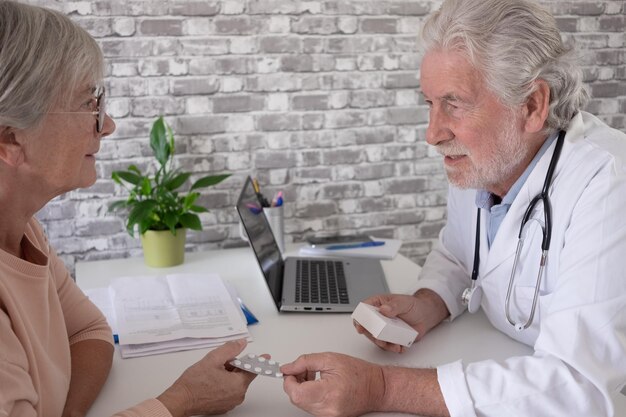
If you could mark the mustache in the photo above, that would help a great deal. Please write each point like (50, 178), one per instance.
(451, 148)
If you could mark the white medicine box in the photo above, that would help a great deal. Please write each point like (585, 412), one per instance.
(387, 329)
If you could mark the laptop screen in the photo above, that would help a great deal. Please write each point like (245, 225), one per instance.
(261, 239)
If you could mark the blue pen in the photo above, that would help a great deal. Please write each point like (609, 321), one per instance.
(356, 245)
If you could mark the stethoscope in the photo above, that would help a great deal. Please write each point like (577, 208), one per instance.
(472, 296)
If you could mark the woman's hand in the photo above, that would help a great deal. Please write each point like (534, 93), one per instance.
(210, 386)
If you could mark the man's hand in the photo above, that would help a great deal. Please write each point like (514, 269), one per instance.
(422, 311)
(210, 386)
(347, 386)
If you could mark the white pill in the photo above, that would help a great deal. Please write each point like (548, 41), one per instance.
(258, 365)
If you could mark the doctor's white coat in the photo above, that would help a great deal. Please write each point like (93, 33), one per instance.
(579, 330)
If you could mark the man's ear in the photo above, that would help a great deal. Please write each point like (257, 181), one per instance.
(11, 152)
(537, 107)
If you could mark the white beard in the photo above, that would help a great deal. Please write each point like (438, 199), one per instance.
(495, 167)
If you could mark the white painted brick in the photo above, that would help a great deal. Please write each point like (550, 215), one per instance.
(267, 64)
(197, 26)
(80, 7)
(391, 62)
(178, 67)
(237, 162)
(343, 173)
(197, 105)
(406, 98)
(279, 24)
(359, 125)
(242, 45)
(118, 107)
(278, 102)
(239, 123)
(278, 176)
(231, 84)
(124, 69)
(614, 7)
(348, 25)
(124, 26)
(373, 188)
(233, 7)
(339, 100)
(345, 63)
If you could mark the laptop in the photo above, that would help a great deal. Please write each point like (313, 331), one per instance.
(307, 284)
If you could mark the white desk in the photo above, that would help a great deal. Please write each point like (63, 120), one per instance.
(286, 335)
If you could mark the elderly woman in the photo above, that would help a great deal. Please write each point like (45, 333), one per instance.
(55, 346)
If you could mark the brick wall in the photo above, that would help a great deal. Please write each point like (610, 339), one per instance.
(315, 98)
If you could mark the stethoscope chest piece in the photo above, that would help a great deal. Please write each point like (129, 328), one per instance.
(472, 297)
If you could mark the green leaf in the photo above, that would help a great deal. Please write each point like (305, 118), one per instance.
(140, 214)
(208, 181)
(170, 134)
(198, 209)
(191, 221)
(171, 220)
(134, 168)
(177, 181)
(146, 187)
(190, 199)
(159, 143)
(127, 176)
(116, 205)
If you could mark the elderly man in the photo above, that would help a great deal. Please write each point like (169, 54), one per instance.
(523, 160)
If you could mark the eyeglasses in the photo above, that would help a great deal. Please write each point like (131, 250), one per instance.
(100, 111)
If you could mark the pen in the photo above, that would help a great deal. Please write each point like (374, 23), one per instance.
(356, 245)
(260, 196)
(278, 200)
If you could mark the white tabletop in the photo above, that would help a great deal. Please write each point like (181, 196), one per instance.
(286, 335)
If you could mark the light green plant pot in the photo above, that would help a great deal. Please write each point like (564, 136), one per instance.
(162, 249)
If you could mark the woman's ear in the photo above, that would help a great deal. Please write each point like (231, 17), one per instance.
(537, 107)
(11, 152)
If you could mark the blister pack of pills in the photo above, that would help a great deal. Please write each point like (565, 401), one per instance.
(258, 365)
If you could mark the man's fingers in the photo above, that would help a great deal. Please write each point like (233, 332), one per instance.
(304, 364)
(300, 393)
(290, 383)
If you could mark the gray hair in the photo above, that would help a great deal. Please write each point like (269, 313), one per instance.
(44, 57)
(512, 43)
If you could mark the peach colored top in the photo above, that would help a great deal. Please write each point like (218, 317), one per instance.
(42, 313)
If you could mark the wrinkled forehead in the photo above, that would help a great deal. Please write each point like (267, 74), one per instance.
(445, 72)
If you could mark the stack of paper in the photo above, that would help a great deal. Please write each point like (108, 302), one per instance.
(158, 314)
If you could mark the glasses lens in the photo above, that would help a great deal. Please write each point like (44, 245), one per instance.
(101, 111)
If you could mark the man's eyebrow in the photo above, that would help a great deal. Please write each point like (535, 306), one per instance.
(451, 97)
(445, 97)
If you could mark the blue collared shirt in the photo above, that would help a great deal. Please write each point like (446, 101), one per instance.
(496, 212)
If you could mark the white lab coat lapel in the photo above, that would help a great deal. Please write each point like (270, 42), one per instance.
(504, 245)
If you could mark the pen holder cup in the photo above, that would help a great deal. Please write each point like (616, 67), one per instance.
(276, 219)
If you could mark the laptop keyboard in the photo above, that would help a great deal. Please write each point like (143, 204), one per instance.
(321, 282)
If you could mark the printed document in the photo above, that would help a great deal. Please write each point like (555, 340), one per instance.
(156, 314)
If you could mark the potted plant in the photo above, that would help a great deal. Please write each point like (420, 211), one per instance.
(156, 207)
